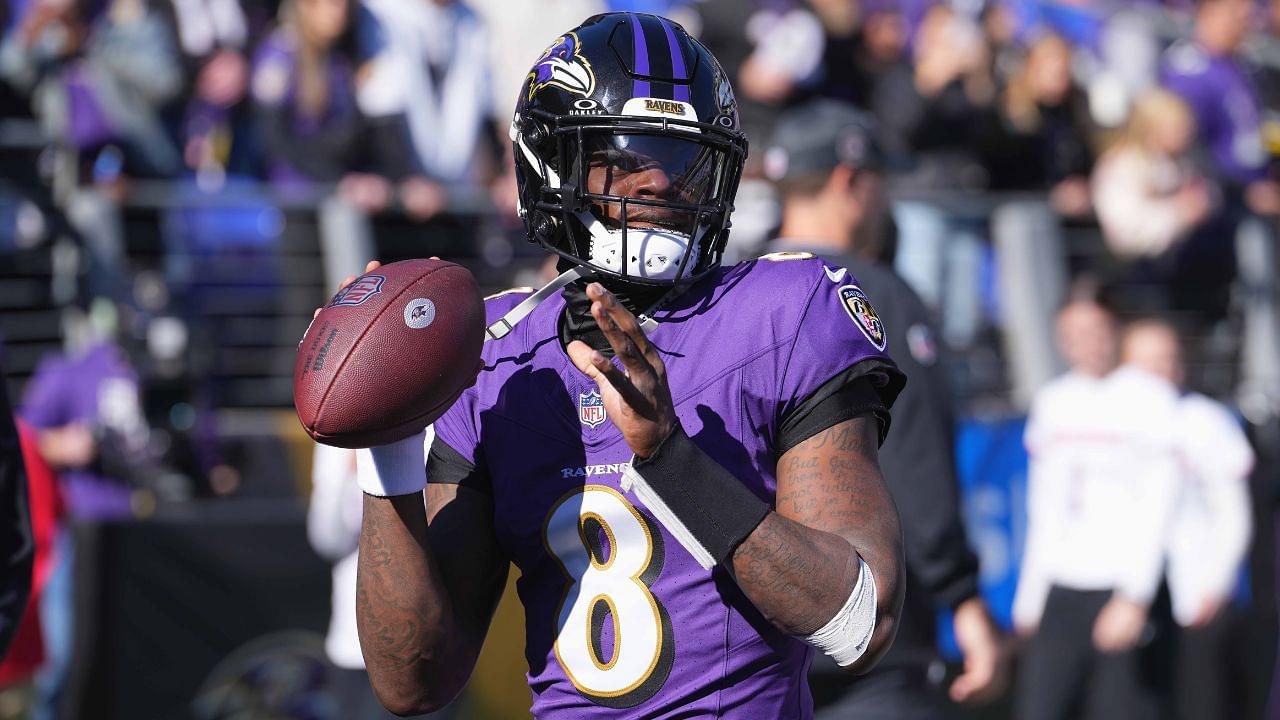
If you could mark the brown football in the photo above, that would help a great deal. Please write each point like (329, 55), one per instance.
(389, 353)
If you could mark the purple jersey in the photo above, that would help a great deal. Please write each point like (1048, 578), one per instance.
(1226, 107)
(621, 621)
(100, 390)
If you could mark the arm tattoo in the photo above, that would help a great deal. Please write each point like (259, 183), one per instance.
(422, 613)
(800, 564)
(390, 613)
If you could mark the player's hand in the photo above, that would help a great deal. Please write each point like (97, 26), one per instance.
(368, 268)
(1119, 625)
(636, 398)
(984, 677)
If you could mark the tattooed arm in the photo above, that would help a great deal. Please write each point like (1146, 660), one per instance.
(429, 578)
(799, 565)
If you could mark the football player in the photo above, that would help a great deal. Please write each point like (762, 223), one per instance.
(679, 457)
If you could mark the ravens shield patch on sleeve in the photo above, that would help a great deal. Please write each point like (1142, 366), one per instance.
(863, 315)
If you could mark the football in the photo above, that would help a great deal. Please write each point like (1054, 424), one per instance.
(389, 353)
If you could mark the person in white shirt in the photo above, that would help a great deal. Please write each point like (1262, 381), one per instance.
(428, 59)
(333, 527)
(1101, 485)
(1209, 536)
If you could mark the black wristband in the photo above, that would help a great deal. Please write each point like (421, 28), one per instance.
(700, 502)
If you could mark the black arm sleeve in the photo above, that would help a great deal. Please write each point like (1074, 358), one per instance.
(848, 395)
(17, 551)
(448, 466)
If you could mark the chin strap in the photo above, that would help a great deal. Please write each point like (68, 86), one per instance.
(502, 326)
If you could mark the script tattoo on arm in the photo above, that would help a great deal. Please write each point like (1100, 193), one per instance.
(421, 610)
(800, 564)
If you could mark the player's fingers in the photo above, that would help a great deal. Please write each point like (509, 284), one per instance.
(623, 345)
(606, 375)
(629, 327)
(580, 353)
(346, 281)
(372, 265)
(625, 320)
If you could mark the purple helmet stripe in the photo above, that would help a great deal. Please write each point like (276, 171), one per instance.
(639, 88)
(677, 63)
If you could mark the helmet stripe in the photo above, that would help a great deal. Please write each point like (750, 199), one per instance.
(639, 88)
(678, 72)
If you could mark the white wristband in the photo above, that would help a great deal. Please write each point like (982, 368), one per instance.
(846, 636)
(399, 468)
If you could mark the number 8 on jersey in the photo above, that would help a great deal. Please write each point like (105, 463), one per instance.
(614, 639)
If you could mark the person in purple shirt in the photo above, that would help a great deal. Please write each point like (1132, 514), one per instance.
(85, 408)
(77, 402)
(304, 94)
(679, 457)
(1204, 70)
(1216, 85)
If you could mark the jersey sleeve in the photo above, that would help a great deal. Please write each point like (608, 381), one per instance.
(838, 338)
(455, 451)
(455, 456)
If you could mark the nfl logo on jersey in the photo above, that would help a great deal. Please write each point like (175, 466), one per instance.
(590, 409)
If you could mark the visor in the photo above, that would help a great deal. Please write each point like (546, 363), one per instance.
(645, 180)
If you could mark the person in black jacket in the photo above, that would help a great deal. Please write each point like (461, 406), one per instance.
(17, 551)
(825, 164)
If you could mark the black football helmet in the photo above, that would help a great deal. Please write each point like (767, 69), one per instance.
(628, 150)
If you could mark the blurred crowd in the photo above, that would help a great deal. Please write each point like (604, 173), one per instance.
(1157, 121)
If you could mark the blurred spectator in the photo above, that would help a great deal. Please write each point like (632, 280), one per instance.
(1209, 536)
(1127, 63)
(305, 95)
(827, 167)
(1101, 485)
(1147, 192)
(209, 27)
(333, 527)
(929, 109)
(1040, 132)
(39, 36)
(859, 38)
(930, 119)
(518, 33)
(26, 655)
(1205, 71)
(426, 84)
(215, 133)
(771, 49)
(100, 80)
(17, 545)
(87, 414)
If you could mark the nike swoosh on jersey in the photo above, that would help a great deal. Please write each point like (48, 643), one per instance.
(834, 276)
